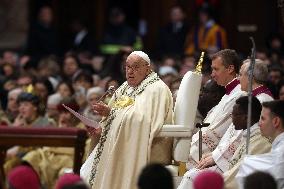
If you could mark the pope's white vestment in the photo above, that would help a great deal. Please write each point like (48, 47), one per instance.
(136, 117)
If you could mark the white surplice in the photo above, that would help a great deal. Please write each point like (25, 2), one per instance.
(258, 144)
(227, 147)
(219, 119)
(231, 139)
(272, 162)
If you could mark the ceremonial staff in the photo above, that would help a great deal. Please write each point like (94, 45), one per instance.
(198, 125)
(250, 72)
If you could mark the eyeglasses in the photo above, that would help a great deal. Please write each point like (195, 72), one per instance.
(135, 68)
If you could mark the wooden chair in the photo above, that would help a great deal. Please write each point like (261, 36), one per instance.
(37, 137)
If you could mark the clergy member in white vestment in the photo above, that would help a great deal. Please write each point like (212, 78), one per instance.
(230, 141)
(232, 138)
(258, 144)
(271, 125)
(134, 116)
(260, 76)
(225, 67)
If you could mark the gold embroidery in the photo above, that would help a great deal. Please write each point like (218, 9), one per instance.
(123, 102)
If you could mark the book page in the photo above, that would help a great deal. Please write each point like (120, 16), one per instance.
(84, 119)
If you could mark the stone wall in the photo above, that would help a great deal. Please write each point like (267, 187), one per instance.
(13, 24)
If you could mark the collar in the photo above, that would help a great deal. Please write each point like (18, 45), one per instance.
(261, 89)
(277, 140)
(230, 86)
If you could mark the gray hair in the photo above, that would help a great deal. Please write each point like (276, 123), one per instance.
(96, 90)
(15, 91)
(260, 72)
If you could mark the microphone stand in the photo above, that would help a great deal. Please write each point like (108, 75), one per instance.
(110, 91)
(200, 125)
(251, 68)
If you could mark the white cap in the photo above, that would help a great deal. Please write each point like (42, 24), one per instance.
(15, 92)
(96, 90)
(54, 99)
(165, 70)
(142, 55)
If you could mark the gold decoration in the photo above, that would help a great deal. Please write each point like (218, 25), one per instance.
(29, 89)
(198, 68)
(123, 102)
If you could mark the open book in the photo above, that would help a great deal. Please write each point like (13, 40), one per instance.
(84, 119)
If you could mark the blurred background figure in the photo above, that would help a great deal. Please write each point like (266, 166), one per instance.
(260, 180)
(207, 35)
(70, 181)
(12, 109)
(93, 95)
(281, 92)
(170, 40)
(42, 38)
(82, 40)
(23, 177)
(118, 35)
(155, 176)
(51, 106)
(208, 180)
(30, 114)
(274, 80)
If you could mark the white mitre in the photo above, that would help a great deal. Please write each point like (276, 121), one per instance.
(142, 55)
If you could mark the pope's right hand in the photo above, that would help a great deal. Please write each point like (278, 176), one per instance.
(101, 109)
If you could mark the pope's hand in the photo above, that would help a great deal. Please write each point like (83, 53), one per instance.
(101, 109)
(205, 162)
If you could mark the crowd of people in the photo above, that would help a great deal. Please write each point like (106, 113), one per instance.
(35, 84)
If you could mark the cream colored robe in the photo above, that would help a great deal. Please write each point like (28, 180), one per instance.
(258, 145)
(127, 148)
(49, 161)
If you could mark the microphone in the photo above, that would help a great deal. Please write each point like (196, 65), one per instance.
(109, 91)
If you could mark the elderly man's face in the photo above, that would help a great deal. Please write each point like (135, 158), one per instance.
(12, 102)
(136, 70)
(243, 77)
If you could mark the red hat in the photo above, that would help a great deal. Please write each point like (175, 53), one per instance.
(24, 177)
(208, 180)
(67, 179)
